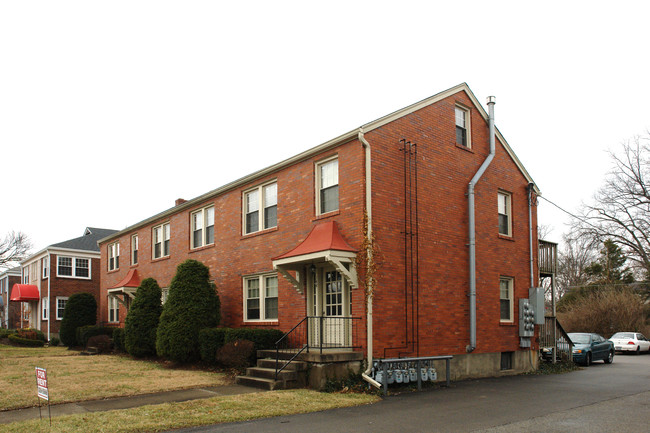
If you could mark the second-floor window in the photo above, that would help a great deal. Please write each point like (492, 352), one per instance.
(113, 256)
(327, 177)
(462, 126)
(134, 249)
(504, 209)
(161, 236)
(46, 267)
(73, 267)
(261, 208)
(26, 275)
(202, 222)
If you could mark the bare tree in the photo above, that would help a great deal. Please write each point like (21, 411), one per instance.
(620, 210)
(578, 253)
(13, 248)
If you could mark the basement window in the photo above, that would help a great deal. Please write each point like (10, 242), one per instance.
(506, 360)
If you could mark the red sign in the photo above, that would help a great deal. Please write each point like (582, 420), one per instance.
(41, 383)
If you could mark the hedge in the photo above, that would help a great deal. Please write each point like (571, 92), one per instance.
(118, 339)
(211, 340)
(142, 320)
(4, 333)
(85, 332)
(25, 341)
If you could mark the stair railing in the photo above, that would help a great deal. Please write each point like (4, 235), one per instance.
(294, 340)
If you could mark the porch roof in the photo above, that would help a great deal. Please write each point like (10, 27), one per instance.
(322, 237)
(24, 292)
(132, 279)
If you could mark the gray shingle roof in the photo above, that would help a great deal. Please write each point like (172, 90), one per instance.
(88, 241)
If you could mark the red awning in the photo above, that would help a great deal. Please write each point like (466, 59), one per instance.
(323, 237)
(131, 280)
(24, 292)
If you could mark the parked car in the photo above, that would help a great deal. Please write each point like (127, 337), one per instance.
(630, 342)
(589, 347)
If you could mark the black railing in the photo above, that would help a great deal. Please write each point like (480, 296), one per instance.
(315, 332)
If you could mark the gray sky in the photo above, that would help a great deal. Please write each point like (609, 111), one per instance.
(109, 111)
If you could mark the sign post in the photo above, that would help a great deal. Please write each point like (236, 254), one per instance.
(42, 390)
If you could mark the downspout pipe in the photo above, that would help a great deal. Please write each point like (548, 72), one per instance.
(530, 232)
(49, 299)
(491, 100)
(366, 374)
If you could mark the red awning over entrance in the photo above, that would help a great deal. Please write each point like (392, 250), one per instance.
(132, 279)
(323, 237)
(24, 292)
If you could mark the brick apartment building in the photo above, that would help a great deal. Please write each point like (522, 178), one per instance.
(51, 275)
(281, 243)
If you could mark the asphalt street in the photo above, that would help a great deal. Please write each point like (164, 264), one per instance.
(600, 398)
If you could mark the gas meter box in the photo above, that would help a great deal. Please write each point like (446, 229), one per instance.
(526, 319)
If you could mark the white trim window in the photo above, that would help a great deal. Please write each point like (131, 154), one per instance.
(261, 298)
(202, 222)
(134, 249)
(113, 256)
(44, 307)
(505, 299)
(164, 294)
(505, 212)
(462, 126)
(26, 275)
(60, 306)
(113, 309)
(264, 197)
(45, 264)
(161, 236)
(327, 178)
(73, 267)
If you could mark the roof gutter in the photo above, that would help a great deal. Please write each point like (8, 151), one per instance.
(472, 227)
(365, 374)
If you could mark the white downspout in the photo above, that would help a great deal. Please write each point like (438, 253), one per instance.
(491, 100)
(365, 374)
(49, 300)
(530, 232)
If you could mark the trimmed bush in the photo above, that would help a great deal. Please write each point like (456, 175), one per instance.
(264, 339)
(141, 323)
(85, 332)
(4, 333)
(54, 342)
(14, 338)
(80, 310)
(192, 305)
(210, 341)
(118, 339)
(236, 354)
(101, 342)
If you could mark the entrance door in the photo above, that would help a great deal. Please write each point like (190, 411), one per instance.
(329, 307)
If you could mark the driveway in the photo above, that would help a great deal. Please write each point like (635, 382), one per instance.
(592, 399)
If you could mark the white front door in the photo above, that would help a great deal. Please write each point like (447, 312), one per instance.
(330, 301)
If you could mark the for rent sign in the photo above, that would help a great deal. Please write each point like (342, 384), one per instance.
(41, 383)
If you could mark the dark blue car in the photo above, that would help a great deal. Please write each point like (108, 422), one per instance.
(589, 347)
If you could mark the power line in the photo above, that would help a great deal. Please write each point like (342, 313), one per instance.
(567, 212)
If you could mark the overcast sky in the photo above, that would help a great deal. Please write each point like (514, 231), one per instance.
(109, 111)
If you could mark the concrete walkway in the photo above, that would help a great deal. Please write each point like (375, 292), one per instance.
(124, 402)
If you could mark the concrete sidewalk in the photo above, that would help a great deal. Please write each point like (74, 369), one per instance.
(124, 402)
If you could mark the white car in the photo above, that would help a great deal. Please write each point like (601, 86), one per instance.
(630, 342)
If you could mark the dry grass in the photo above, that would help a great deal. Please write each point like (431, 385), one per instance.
(194, 413)
(72, 377)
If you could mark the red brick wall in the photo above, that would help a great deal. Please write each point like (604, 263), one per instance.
(441, 309)
(440, 313)
(67, 287)
(234, 256)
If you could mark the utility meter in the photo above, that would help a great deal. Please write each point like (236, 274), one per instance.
(526, 318)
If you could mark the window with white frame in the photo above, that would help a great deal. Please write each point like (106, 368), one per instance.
(60, 306)
(45, 264)
(505, 299)
(261, 298)
(164, 294)
(161, 236)
(73, 267)
(462, 126)
(202, 222)
(44, 306)
(26, 275)
(113, 309)
(261, 208)
(327, 177)
(505, 212)
(134, 249)
(113, 256)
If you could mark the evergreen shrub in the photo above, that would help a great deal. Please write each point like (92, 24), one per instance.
(210, 341)
(192, 305)
(30, 342)
(264, 339)
(141, 323)
(80, 310)
(118, 339)
(85, 332)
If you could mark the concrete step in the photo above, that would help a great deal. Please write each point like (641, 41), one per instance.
(269, 373)
(90, 351)
(259, 382)
(270, 363)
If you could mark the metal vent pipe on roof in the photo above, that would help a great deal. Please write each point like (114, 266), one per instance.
(491, 100)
